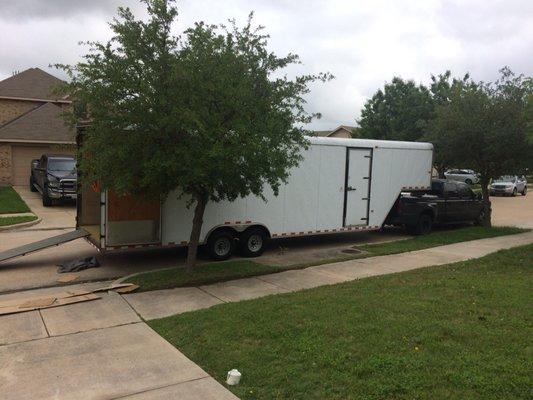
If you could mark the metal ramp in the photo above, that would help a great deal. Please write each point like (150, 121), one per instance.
(43, 244)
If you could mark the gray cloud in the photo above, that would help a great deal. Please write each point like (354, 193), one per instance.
(28, 9)
(363, 43)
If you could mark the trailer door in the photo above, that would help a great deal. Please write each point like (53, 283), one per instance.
(357, 189)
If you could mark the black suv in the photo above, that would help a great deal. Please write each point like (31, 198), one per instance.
(54, 176)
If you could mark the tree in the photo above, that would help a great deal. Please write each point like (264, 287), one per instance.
(398, 112)
(210, 115)
(403, 111)
(484, 126)
(441, 88)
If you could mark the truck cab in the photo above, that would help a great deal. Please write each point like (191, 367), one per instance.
(54, 176)
(447, 202)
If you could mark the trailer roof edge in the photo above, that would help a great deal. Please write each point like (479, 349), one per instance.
(389, 144)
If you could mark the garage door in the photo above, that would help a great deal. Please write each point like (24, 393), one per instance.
(22, 156)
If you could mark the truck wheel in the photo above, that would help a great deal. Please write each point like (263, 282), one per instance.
(423, 226)
(524, 192)
(480, 218)
(252, 242)
(47, 201)
(514, 192)
(221, 245)
(32, 186)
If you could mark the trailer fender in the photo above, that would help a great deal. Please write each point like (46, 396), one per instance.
(236, 228)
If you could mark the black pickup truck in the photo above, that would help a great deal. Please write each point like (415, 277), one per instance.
(446, 202)
(54, 176)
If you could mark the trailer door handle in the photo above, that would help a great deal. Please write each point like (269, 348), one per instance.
(349, 188)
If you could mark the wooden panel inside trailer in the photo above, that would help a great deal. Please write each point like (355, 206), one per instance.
(132, 221)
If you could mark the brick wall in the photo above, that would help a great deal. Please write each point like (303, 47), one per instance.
(10, 109)
(5, 164)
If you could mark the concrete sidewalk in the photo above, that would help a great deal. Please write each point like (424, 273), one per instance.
(94, 350)
(162, 303)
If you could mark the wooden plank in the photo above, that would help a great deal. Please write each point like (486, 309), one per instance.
(126, 289)
(38, 303)
(58, 302)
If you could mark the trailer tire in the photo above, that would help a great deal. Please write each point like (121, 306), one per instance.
(252, 242)
(423, 226)
(221, 245)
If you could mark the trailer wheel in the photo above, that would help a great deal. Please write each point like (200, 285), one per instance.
(423, 226)
(221, 245)
(252, 242)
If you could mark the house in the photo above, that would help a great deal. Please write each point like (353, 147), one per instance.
(30, 123)
(343, 131)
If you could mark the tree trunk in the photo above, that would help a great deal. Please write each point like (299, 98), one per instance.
(440, 171)
(197, 222)
(486, 203)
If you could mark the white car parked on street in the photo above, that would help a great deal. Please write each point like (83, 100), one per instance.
(508, 185)
(462, 175)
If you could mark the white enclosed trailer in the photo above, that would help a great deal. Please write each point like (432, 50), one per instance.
(341, 185)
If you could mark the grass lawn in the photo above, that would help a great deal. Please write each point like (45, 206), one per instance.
(5, 221)
(10, 201)
(460, 331)
(235, 269)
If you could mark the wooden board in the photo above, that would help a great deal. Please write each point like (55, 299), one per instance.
(58, 302)
(129, 208)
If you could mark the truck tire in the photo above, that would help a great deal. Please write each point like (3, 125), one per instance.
(524, 192)
(32, 185)
(47, 201)
(480, 218)
(221, 245)
(514, 192)
(423, 226)
(252, 242)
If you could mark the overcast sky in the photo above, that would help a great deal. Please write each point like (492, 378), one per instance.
(363, 43)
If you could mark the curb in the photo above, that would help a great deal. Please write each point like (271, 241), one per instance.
(21, 225)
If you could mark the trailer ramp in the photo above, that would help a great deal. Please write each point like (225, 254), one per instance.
(43, 244)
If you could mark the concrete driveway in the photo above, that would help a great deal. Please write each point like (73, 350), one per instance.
(94, 350)
(513, 211)
(60, 216)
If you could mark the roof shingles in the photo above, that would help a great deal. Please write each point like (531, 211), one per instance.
(33, 83)
(42, 124)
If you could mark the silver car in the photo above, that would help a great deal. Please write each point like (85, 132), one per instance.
(508, 185)
(462, 175)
